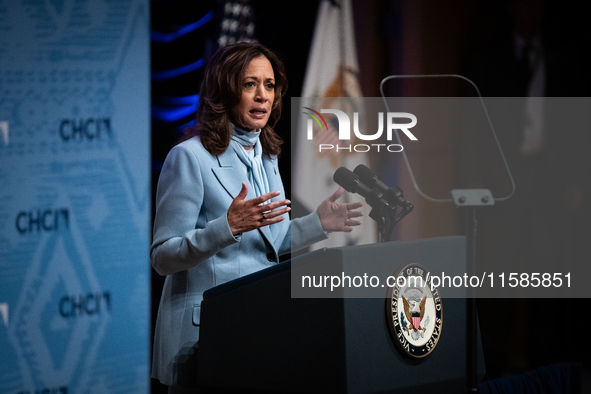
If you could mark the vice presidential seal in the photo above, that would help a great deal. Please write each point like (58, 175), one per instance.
(413, 312)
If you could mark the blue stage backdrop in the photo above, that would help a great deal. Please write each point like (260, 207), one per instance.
(74, 196)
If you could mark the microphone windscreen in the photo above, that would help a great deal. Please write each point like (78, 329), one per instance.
(346, 179)
(366, 175)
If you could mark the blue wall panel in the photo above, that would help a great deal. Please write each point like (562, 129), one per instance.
(74, 196)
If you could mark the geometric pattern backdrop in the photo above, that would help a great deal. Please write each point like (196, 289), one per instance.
(74, 196)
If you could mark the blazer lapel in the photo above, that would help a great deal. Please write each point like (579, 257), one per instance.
(272, 174)
(274, 184)
(231, 176)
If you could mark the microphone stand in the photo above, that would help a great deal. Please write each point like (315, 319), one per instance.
(386, 215)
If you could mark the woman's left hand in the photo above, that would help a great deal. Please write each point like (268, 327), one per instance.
(338, 217)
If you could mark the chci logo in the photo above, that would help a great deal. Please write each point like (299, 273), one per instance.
(413, 312)
(402, 121)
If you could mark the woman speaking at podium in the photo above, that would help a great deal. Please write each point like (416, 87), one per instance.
(221, 210)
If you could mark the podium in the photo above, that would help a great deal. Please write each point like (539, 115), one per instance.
(255, 336)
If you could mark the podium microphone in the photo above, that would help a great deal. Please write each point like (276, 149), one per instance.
(384, 208)
(351, 183)
(393, 194)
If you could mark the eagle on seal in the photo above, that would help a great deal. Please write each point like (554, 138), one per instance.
(414, 313)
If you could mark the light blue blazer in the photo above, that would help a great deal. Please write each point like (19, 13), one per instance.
(194, 247)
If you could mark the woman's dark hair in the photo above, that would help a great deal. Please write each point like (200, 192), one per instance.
(221, 92)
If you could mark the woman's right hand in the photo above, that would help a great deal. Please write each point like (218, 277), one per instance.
(248, 215)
